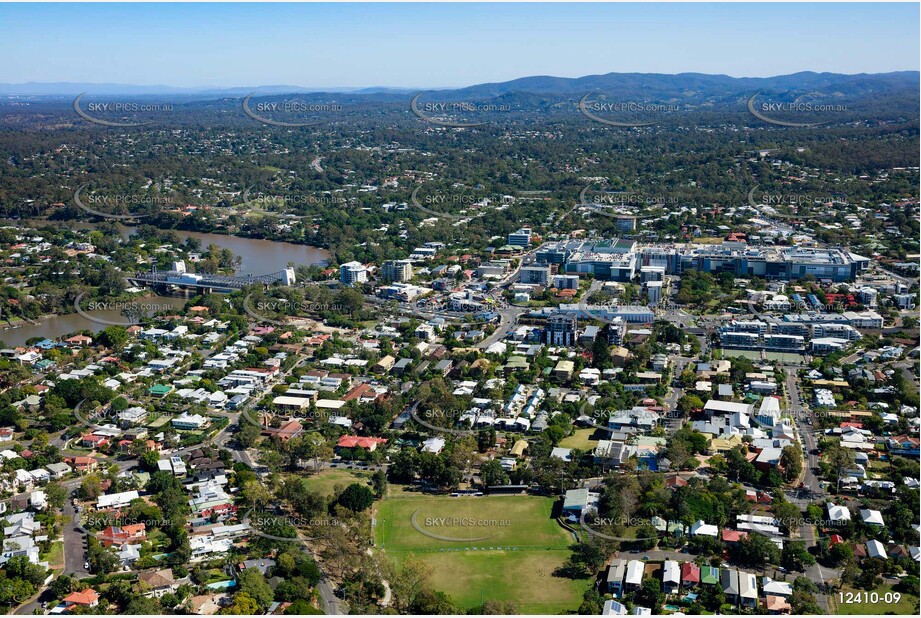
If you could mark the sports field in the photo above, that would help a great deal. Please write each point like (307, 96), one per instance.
(499, 547)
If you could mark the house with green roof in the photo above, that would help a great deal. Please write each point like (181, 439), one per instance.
(516, 363)
(709, 574)
(160, 390)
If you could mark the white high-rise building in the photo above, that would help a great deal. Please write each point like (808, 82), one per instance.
(351, 273)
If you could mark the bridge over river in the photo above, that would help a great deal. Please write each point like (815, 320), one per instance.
(169, 279)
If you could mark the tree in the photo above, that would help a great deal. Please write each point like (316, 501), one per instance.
(256, 494)
(243, 605)
(149, 460)
(356, 498)
(787, 514)
(140, 606)
(650, 595)
(492, 474)
(379, 483)
(90, 487)
(57, 495)
(254, 584)
(408, 582)
(248, 435)
(791, 460)
(686, 404)
(62, 586)
(840, 553)
(99, 558)
(113, 337)
(795, 557)
(554, 433)
(14, 591)
(302, 607)
(490, 608)
(19, 567)
(756, 550)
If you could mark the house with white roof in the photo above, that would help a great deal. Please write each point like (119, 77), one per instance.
(748, 589)
(116, 501)
(702, 528)
(775, 588)
(875, 549)
(634, 576)
(433, 445)
(613, 608)
(838, 514)
(671, 577)
(871, 517)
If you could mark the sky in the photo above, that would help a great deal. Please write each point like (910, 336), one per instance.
(443, 45)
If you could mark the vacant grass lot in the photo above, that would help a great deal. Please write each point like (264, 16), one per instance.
(584, 439)
(328, 478)
(501, 547)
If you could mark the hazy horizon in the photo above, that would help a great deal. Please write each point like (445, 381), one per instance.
(344, 46)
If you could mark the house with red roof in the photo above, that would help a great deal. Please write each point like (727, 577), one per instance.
(690, 575)
(118, 536)
(94, 441)
(363, 393)
(290, 429)
(360, 442)
(733, 536)
(83, 598)
(776, 604)
(84, 464)
(674, 482)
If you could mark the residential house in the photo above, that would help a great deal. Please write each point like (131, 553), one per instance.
(157, 583)
(82, 598)
(729, 580)
(690, 575)
(748, 589)
(671, 577)
(615, 578)
(634, 575)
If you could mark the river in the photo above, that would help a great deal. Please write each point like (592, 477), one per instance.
(259, 257)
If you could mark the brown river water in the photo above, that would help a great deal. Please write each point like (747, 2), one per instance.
(259, 257)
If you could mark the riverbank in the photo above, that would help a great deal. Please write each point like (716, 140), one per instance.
(258, 256)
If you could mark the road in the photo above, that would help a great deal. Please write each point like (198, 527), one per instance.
(806, 433)
(812, 490)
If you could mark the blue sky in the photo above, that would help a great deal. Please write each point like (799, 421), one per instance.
(440, 45)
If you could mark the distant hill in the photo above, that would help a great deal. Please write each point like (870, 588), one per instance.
(635, 86)
(695, 85)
